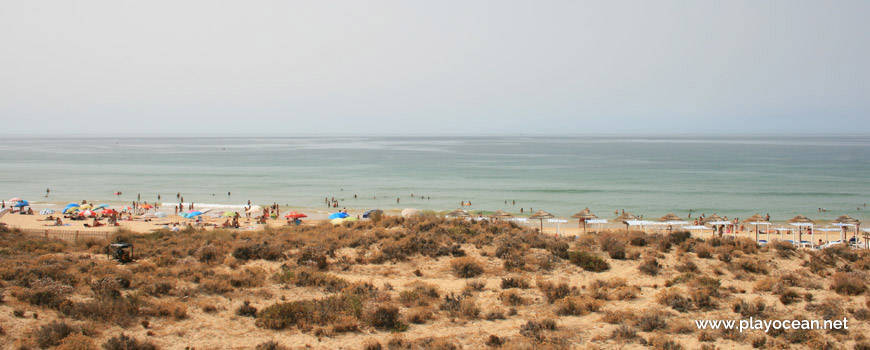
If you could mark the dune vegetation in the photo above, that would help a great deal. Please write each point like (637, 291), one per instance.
(423, 283)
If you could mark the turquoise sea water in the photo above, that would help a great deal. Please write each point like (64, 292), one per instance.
(733, 176)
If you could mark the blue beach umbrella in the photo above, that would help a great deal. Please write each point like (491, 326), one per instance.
(101, 206)
(339, 215)
(21, 204)
(369, 213)
(193, 214)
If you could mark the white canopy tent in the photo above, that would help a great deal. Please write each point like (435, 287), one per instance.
(800, 225)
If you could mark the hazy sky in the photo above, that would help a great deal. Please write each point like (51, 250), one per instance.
(433, 67)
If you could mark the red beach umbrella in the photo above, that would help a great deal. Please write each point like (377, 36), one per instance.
(295, 215)
(87, 213)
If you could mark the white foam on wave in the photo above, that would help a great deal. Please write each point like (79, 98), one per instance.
(210, 205)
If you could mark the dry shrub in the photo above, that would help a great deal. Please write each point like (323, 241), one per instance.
(704, 250)
(674, 298)
(466, 267)
(385, 317)
(755, 309)
(588, 261)
(123, 342)
(460, 305)
(624, 333)
(613, 245)
(651, 321)
(305, 277)
(270, 345)
(618, 316)
(50, 335)
(77, 342)
(419, 294)
(372, 344)
(752, 265)
(687, 266)
(661, 342)
(306, 313)
(419, 315)
(209, 253)
(784, 249)
(246, 310)
(553, 291)
(789, 296)
(577, 306)
(216, 286)
(848, 283)
(512, 298)
(650, 266)
(514, 282)
(613, 289)
(248, 278)
(263, 251)
(172, 309)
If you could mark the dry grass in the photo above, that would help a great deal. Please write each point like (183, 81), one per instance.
(438, 283)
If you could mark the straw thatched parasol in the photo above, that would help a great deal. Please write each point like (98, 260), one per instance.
(500, 214)
(670, 217)
(800, 219)
(757, 219)
(711, 218)
(584, 215)
(847, 220)
(541, 215)
(458, 213)
(624, 218)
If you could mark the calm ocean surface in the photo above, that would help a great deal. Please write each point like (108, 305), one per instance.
(730, 176)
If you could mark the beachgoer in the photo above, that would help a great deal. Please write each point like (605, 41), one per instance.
(514, 202)
(397, 200)
(58, 222)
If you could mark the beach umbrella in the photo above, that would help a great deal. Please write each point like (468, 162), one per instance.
(500, 214)
(711, 218)
(408, 213)
(108, 212)
(625, 217)
(14, 199)
(161, 215)
(670, 217)
(86, 206)
(21, 204)
(370, 212)
(584, 215)
(126, 208)
(46, 212)
(87, 213)
(458, 213)
(800, 221)
(297, 215)
(193, 214)
(146, 206)
(541, 215)
(338, 215)
(101, 206)
(844, 221)
(757, 219)
(228, 214)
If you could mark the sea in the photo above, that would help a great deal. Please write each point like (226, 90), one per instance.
(734, 176)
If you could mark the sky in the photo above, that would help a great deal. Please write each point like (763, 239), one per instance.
(207, 67)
